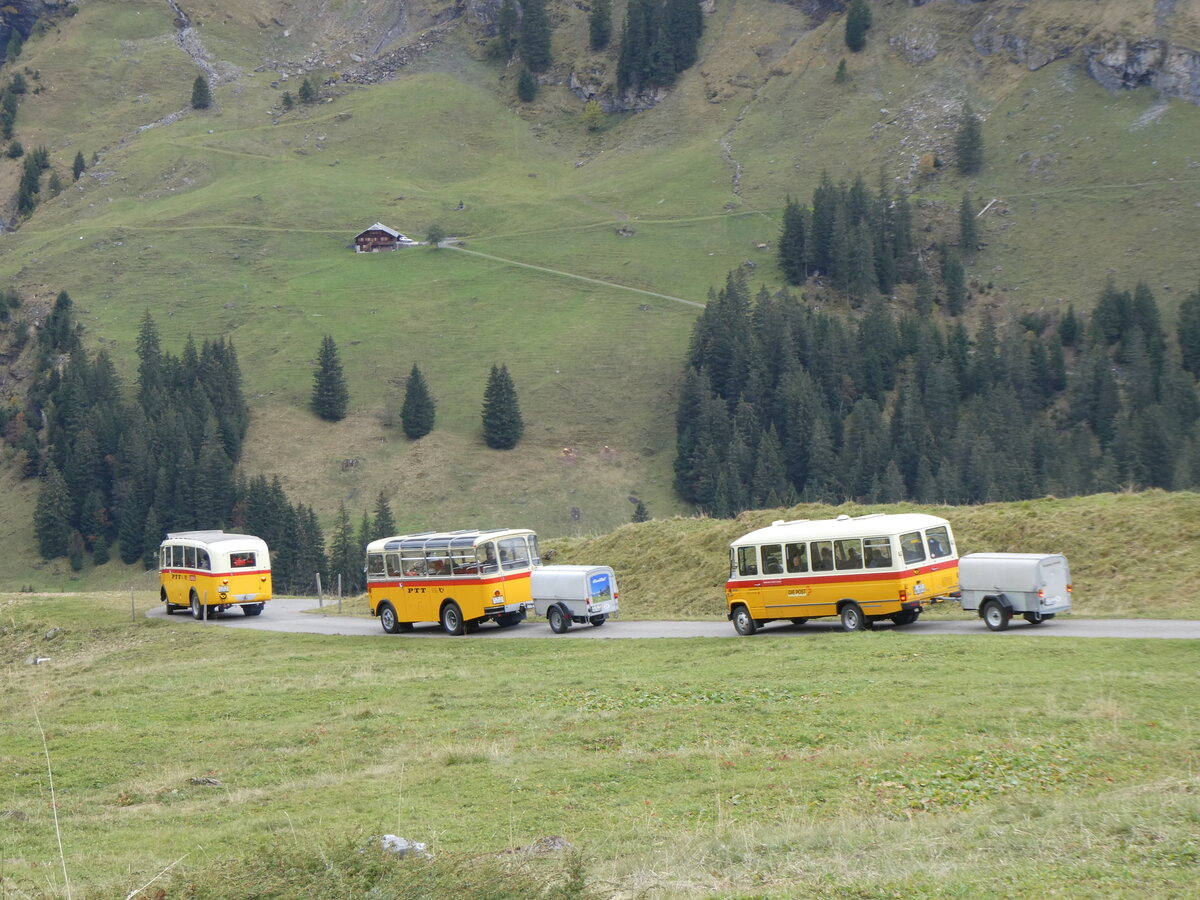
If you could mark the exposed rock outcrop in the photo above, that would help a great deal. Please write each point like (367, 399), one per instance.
(20, 15)
(1120, 63)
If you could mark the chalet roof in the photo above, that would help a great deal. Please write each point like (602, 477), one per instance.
(379, 226)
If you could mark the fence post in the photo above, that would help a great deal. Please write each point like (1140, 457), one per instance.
(339, 592)
(320, 595)
(132, 608)
(204, 609)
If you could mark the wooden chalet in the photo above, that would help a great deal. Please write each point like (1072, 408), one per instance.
(380, 237)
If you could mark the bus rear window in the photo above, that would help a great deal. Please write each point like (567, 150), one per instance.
(243, 560)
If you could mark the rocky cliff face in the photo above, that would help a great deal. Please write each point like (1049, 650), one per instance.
(1120, 63)
(20, 16)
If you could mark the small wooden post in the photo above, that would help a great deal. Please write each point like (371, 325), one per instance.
(320, 595)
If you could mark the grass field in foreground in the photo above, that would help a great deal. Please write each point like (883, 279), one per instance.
(871, 765)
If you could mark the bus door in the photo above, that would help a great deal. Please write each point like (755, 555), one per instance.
(515, 563)
(779, 596)
(825, 591)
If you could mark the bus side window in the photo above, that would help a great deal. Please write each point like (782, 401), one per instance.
(878, 552)
(514, 553)
(375, 564)
(772, 557)
(487, 557)
(747, 560)
(393, 565)
(190, 559)
(797, 557)
(939, 542)
(848, 553)
(912, 548)
(822, 556)
(164, 561)
(202, 559)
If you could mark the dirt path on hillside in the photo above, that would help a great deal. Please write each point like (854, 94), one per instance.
(562, 274)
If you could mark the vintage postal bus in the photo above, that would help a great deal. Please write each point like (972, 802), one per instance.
(210, 571)
(879, 566)
(457, 578)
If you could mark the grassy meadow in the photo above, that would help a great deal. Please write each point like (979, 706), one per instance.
(236, 221)
(205, 762)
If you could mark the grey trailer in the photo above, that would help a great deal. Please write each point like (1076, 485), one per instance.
(567, 595)
(1001, 585)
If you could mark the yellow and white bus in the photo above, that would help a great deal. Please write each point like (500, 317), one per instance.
(457, 578)
(862, 568)
(210, 571)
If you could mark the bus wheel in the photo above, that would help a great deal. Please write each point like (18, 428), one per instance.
(800, 621)
(598, 620)
(387, 618)
(906, 617)
(452, 619)
(197, 611)
(995, 616)
(853, 618)
(558, 622)
(404, 626)
(1034, 618)
(743, 622)
(252, 609)
(508, 620)
(171, 607)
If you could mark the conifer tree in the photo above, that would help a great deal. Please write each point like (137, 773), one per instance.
(330, 396)
(600, 24)
(535, 35)
(969, 142)
(526, 85)
(1188, 332)
(307, 92)
(858, 23)
(507, 26)
(201, 95)
(419, 410)
(152, 536)
(344, 557)
(640, 513)
(384, 522)
(52, 516)
(792, 249)
(502, 423)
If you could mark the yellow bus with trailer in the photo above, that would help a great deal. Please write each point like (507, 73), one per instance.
(459, 579)
(210, 571)
(861, 569)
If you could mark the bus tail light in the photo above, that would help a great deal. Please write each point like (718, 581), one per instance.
(224, 582)
(903, 595)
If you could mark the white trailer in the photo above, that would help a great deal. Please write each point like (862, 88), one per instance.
(574, 594)
(999, 585)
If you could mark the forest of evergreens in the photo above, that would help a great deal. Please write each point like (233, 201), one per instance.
(783, 402)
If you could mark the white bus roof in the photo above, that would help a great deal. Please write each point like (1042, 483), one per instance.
(213, 537)
(464, 538)
(841, 527)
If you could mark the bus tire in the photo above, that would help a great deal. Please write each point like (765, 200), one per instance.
(404, 626)
(508, 620)
(252, 609)
(852, 617)
(558, 622)
(452, 619)
(387, 618)
(599, 620)
(197, 610)
(995, 616)
(799, 621)
(743, 622)
(905, 617)
(1034, 618)
(170, 607)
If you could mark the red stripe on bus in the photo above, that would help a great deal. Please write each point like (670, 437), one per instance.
(854, 577)
(426, 581)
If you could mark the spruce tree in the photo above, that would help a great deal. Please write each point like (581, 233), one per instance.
(969, 142)
(52, 516)
(535, 36)
(858, 23)
(384, 523)
(417, 414)
(792, 249)
(640, 513)
(330, 396)
(307, 92)
(201, 95)
(502, 423)
(507, 26)
(526, 86)
(345, 559)
(600, 24)
(1188, 331)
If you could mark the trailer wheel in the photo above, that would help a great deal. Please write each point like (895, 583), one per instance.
(995, 616)
(853, 618)
(743, 622)
(452, 619)
(197, 610)
(1034, 618)
(387, 618)
(558, 622)
(599, 620)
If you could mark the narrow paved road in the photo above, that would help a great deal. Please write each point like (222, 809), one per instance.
(302, 616)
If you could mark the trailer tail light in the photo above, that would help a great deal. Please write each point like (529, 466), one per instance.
(1068, 588)
(1041, 594)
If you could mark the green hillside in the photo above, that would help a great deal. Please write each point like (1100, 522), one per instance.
(237, 220)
